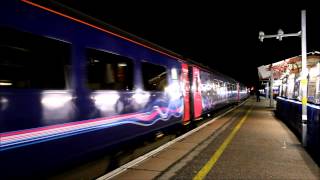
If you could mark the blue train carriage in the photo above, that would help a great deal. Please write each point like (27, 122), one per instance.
(289, 100)
(217, 90)
(68, 88)
(211, 90)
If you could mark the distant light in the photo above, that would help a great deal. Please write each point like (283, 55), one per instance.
(174, 74)
(106, 101)
(122, 64)
(313, 72)
(174, 90)
(3, 100)
(53, 101)
(141, 97)
(4, 103)
(5, 84)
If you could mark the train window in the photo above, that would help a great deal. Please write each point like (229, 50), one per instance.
(312, 89)
(108, 71)
(229, 87)
(284, 87)
(296, 88)
(290, 86)
(317, 98)
(29, 61)
(154, 77)
(313, 84)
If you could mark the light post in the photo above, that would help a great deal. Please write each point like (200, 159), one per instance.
(304, 71)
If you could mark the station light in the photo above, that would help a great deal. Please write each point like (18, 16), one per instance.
(261, 36)
(280, 34)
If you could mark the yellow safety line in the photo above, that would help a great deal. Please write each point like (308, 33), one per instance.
(208, 166)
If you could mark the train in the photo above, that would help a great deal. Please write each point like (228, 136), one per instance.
(72, 86)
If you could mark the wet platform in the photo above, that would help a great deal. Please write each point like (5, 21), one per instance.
(249, 142)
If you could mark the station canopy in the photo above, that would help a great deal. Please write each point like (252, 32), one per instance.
(287, 66)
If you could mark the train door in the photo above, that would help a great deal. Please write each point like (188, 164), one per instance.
(186, 93)
(192, 96)
(196, 91)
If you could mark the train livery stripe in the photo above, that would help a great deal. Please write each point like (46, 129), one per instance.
(30, 136)
(68, 124)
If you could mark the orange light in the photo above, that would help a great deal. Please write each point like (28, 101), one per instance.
(96, 27)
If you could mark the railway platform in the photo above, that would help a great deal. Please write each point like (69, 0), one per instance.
(248, 142)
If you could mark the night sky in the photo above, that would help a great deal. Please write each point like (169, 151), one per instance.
(222, 35)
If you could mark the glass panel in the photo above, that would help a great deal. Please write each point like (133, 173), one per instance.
(154, 77)
(32, 61)
(107, 71)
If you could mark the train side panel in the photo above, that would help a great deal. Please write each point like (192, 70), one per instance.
(216, 91)
(44, 127)
(69, 90)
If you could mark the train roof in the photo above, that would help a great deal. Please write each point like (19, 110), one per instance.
(78, 16)
(281, 66)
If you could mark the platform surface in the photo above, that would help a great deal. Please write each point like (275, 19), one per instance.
(247, 143)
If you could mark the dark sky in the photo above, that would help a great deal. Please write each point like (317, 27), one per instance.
(221, 35)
